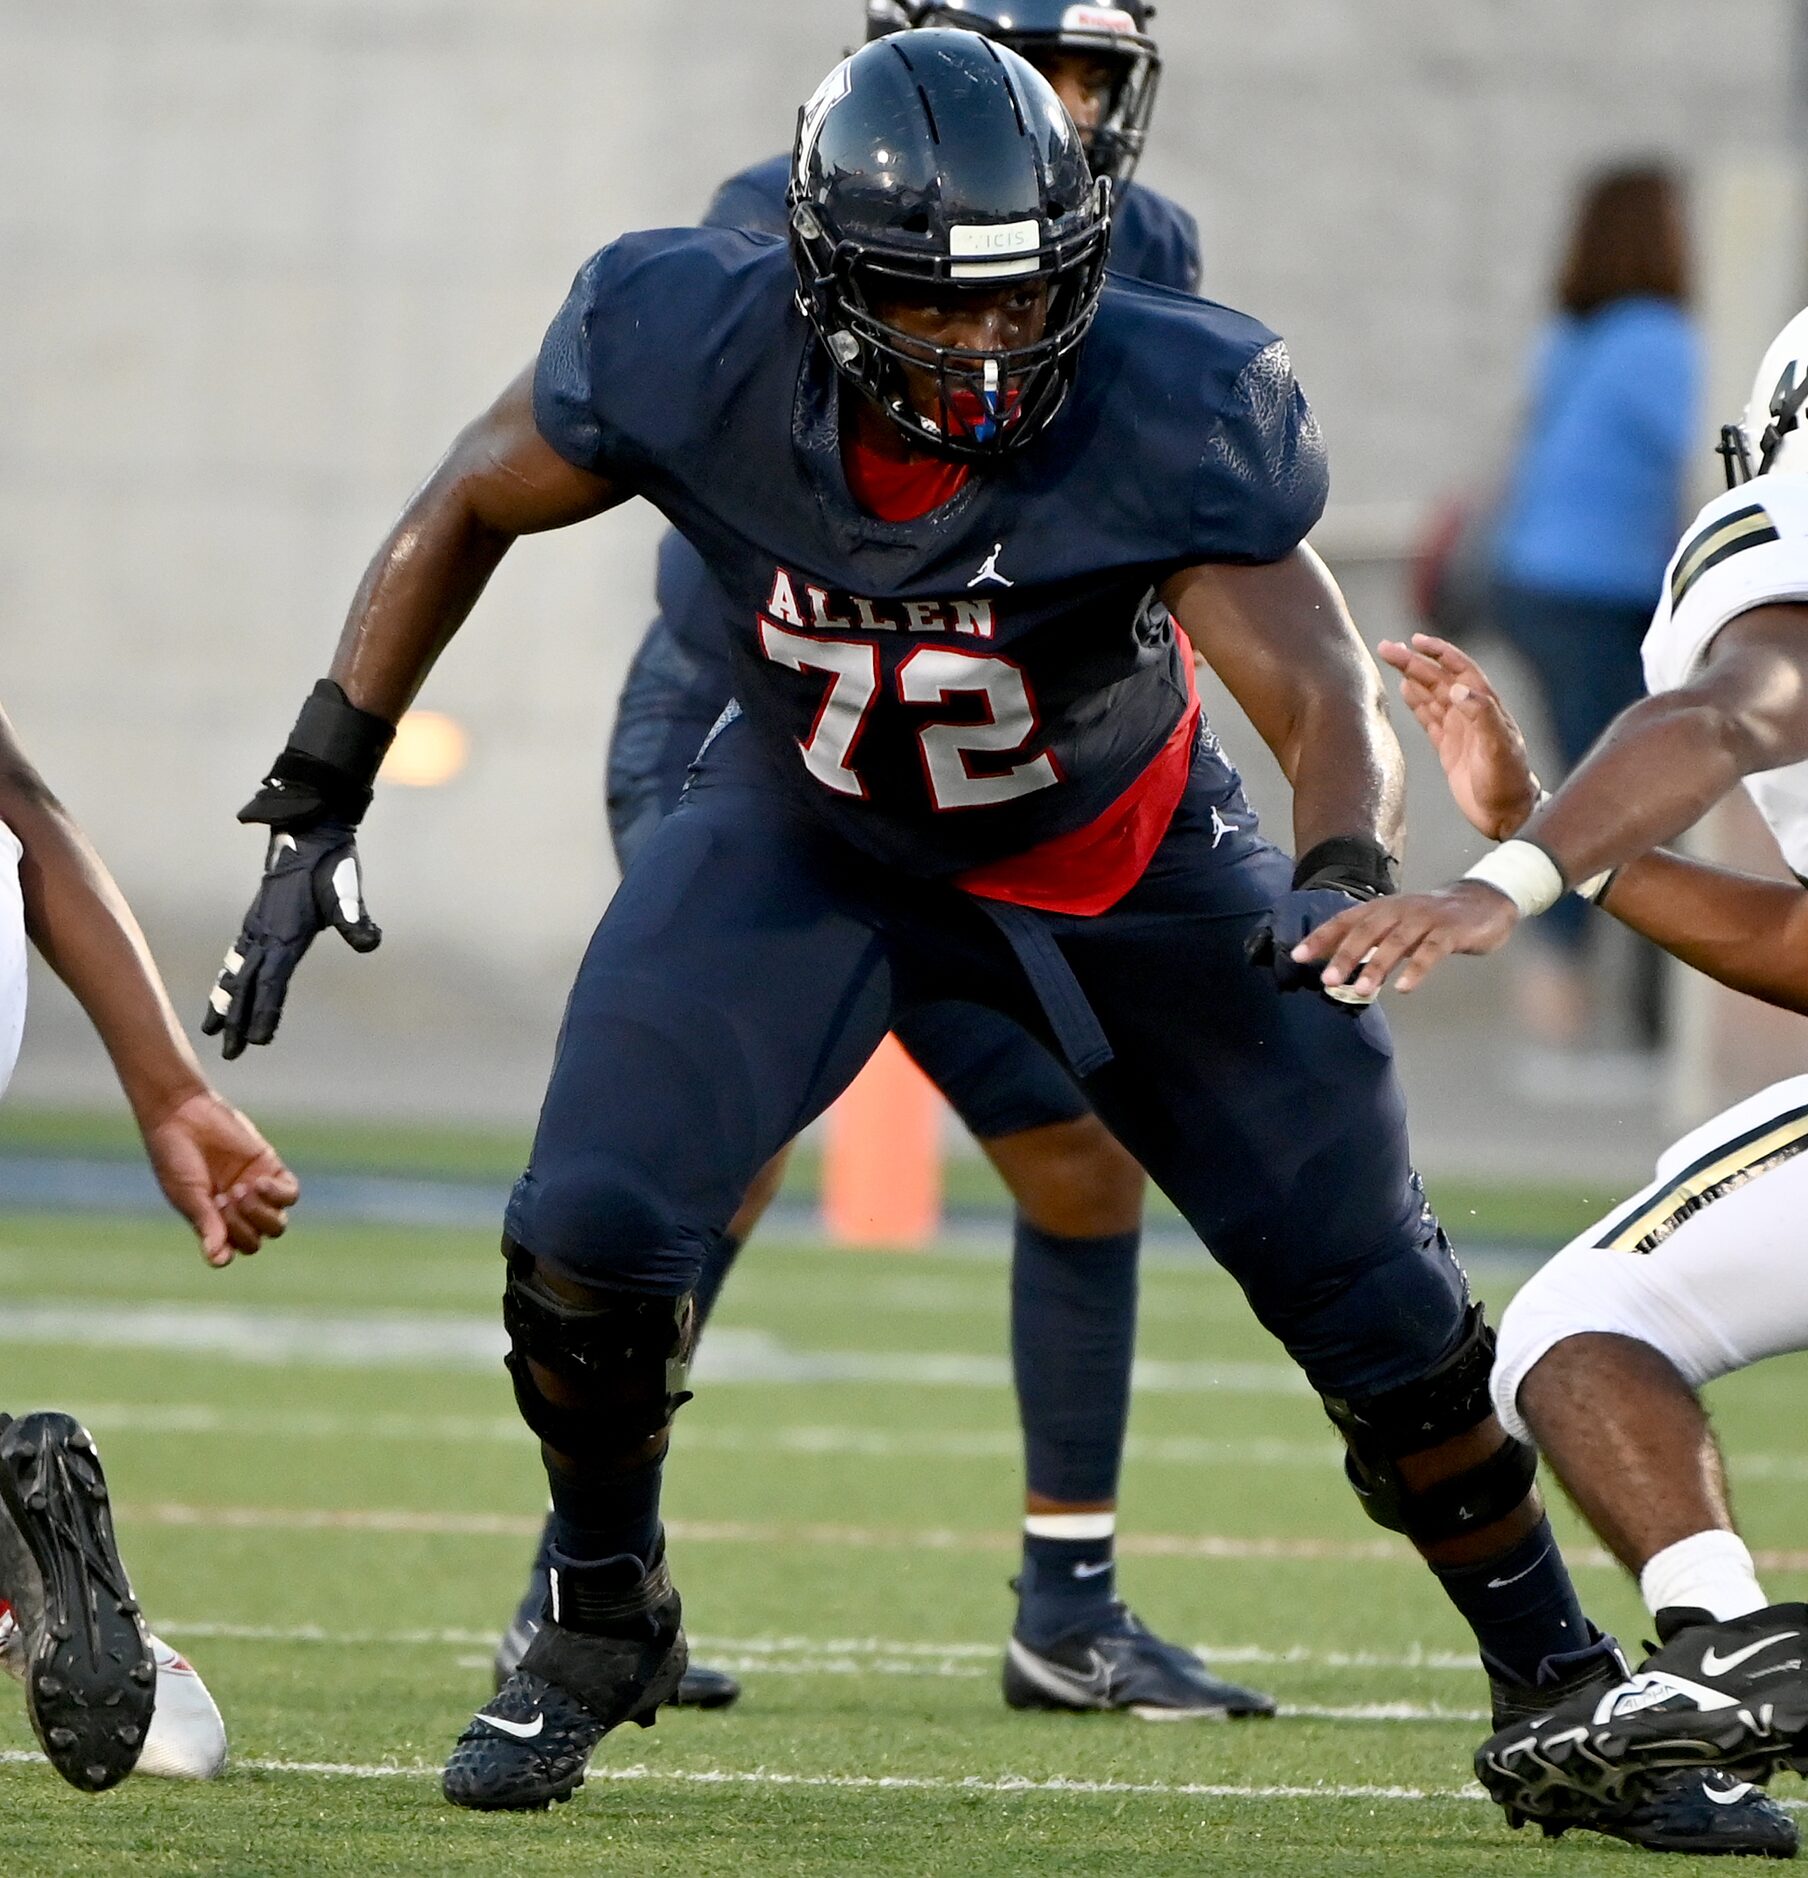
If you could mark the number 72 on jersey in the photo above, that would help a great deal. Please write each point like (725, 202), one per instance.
(929, 675)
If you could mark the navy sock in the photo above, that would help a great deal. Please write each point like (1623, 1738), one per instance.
(1066, 1585)
(597, 1518)
(1073, 1335)
(718, 1262)
(1521, 1605)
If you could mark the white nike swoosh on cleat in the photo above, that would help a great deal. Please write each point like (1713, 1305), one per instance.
(522, 1731)
(1055, 1679)
(1713, 1664)
(1730, 1796)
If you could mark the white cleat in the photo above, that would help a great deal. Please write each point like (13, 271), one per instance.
(186, 1739)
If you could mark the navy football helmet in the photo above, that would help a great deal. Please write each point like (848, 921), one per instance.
(939, 160)
(1116, 31)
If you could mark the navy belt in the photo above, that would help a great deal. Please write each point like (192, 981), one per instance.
(1073, 1020)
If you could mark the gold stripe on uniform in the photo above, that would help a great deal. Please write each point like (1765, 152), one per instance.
(1749, 528)
(1715, 1175)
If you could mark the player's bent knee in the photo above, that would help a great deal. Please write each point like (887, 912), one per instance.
(604, 1224)
(598, 1372)
(1588, 1290)
(1452, 1401)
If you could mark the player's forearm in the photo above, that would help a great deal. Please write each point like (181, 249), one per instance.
(415, 595)
(1665, 763)
(1280, 636)
(1749, 934)
(499, 481)
(1347, 770)
(80, 923)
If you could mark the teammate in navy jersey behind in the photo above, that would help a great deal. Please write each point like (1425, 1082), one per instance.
(1078, 1228)
(968, 763)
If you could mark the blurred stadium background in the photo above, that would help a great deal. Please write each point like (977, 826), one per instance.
(260, 261)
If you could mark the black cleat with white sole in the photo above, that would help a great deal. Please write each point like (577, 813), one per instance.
(1121, 1665)
(1732, 1696)
(700, 1686)
(90, 1681)
(614, 1653)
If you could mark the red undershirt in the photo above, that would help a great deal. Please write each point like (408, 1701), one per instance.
(1087, 870)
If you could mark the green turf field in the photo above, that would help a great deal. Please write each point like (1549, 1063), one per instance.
(335, 1539)
(1531, 1213)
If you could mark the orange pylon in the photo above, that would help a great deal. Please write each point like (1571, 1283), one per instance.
(882, 1161)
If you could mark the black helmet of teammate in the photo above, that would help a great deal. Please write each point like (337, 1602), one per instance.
(938, 160)
(1116, 31)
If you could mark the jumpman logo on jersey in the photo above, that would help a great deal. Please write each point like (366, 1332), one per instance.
(989, 569)
(1221, 828)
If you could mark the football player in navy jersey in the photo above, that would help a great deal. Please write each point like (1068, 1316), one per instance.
(958, 491)
(1079, 1195)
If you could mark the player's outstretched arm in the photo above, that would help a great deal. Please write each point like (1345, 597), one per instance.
(1750, 934)
(214, 1166)
(1281, 638)
(500, 480)
(1660, 767)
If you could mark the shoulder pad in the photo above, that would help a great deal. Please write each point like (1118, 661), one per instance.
(1746, 549)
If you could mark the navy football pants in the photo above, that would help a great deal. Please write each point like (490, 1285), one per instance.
(752, 960)
(997, 1078)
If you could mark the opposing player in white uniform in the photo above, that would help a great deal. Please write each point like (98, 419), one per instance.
(105, 1696)
(1706, 1270)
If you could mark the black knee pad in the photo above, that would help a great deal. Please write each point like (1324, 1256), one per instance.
(622, 1356)
(1380, 1430)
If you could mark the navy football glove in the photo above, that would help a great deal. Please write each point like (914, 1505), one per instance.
(1347, 868)
(311, 881)
(311, 801)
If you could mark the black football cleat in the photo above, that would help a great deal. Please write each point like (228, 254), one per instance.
(703, 1687)
(1688, 1810)
(1122, 1665)
(90, 1681)
(1732, 1696)
(614, 1653)
(1696, 1811)
(700, 1686)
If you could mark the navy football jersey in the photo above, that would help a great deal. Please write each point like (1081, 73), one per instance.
(1152, 239)
(959, 688)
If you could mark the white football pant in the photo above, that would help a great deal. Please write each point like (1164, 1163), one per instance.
(1708, 1265)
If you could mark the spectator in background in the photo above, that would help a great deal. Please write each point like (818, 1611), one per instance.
(1592, 508)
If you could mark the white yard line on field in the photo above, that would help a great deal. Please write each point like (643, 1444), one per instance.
(1057, 1787)
(896, 1654)
(1221, 1546)
(443, 1340)
(202, 1418)
(748, 1532)
(828, 1440)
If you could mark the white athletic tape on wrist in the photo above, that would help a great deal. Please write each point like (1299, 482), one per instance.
(1524, 873)
(1595, 885)
(1070, 1525)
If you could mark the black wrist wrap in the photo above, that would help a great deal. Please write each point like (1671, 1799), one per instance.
(328, 767)
(1353, 864)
